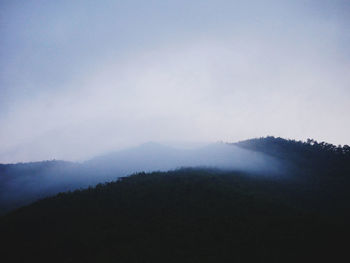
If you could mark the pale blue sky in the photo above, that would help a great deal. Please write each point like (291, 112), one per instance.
(78, 78)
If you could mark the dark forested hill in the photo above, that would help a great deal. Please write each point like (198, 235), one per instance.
(189, 215)
(232, 214)
(311, 162)
(307, 158)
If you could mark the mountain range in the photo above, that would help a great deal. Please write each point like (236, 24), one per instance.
(23, 183)
(261, 200)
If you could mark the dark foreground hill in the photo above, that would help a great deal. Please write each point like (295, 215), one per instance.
(189, 215)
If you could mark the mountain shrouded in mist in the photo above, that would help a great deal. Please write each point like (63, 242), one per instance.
(266, 199)
(26, 182)
(84, 84)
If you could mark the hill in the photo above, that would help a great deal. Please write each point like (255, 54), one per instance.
(306, 158)
(311, 162)
(188, 215)
(235, 213)
(23, 183)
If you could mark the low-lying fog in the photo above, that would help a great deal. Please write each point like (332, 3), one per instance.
(22, 183)
(156, 157)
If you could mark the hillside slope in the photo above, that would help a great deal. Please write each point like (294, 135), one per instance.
(310, 158)
(23, 183)
(187, 215)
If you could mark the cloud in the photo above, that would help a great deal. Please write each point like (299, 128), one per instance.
(276, 71)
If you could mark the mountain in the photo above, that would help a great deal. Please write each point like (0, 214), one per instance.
(310, 162)
(21, 184)
(306, 158)
(266, 200)
(188, 215)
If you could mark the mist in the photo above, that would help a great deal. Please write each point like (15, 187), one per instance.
(82, 79)
(21, 184)
(147, 130)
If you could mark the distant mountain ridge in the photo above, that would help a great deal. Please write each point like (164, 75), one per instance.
(23, 183)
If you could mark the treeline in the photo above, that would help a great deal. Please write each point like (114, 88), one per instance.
(274, 145)
(311, 157)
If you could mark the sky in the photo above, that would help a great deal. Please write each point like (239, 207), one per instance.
(81, 78)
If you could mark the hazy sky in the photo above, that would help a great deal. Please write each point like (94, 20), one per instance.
(79, 78)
